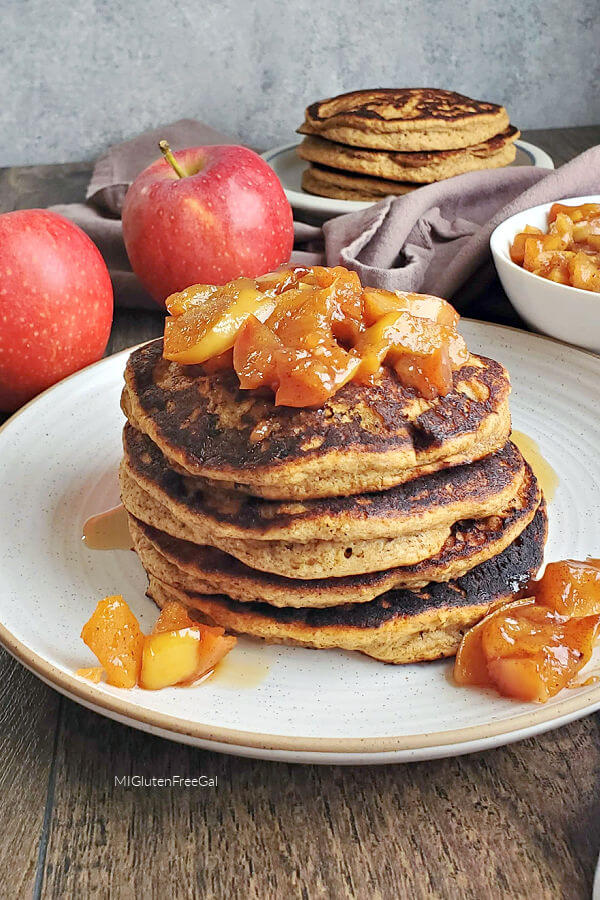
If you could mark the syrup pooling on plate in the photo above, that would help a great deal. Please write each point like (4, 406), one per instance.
(543, 471)
(107, 530)
(240, 674)
(304, 333)
(532, 648)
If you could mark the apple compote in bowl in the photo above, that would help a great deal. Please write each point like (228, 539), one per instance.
(548, 260)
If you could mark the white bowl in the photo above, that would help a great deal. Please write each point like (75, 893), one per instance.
(567, 313)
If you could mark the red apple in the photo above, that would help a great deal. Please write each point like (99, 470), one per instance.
(56, 303)
(205, 215)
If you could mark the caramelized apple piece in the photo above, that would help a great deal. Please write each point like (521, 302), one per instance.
(170, 657)
(221, 363)
(182, 656)
(214, 647)
(113, 634)
(470, 665)
(584, 273)
(378, 303)
(592, 240)
(430, 375)
(281, 280)
(557, 273)
(173, 616)
(297, 379)
(428, 307)
(536, 653)
(194, 296)
(526, 679)
(526, 650)
(255, 354)
(310, 382)
(571, 587)
(523, 630)
(419, 350)
(92, 673)
(576, 213)
(209, 329)
(374, 344)
(295, 353)
(517, 250)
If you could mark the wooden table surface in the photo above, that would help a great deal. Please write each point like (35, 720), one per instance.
(521, 821)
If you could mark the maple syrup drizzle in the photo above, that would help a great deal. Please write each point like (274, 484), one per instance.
(107, 531)
(239, 674)
(543, 471)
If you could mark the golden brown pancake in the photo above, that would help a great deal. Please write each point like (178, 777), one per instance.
(364, 438)
(463, 492)
(206, 570)
(423, 167)
(327, 182)
(405, 119)
(400, 626)
(310, 559)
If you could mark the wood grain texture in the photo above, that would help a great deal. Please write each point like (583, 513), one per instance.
(517, 822)
(28, 724)
(522, 821)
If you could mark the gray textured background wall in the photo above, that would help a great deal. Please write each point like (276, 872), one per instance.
(77, 75)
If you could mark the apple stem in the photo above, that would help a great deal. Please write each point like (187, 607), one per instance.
(170, 158)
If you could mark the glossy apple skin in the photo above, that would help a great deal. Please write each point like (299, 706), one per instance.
(56, 303)
(228, 217)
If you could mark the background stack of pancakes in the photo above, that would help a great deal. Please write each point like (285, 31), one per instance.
(365, 145)
(381, 522)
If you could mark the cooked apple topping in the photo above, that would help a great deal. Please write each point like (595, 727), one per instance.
(303, 333)
(533, 648)
(179, 651)
(569, 253)
(113, 634)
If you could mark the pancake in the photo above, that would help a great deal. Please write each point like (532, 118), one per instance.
(309, 559)
(364, 438)
(422, 168)
(206, 570)
(328, 182)
(405, 119)
(400, 626)
(463, 492)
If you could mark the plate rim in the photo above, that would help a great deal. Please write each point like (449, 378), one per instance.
(472, 736)
(302, 200)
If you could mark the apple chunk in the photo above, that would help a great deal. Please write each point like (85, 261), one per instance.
(182, 656)
(206, 330)
(571, 587)
(113, 634)
(173, 616)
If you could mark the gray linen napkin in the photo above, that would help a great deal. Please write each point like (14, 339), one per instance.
(434, 240)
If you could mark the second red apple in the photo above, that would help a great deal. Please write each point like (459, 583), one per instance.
(209, 215)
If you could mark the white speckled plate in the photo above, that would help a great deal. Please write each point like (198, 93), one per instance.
(58, 465)
(289, 168)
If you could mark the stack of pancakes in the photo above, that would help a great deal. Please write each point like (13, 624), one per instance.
(380, 522)
(365, 145)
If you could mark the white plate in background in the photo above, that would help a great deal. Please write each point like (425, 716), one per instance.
(288, 167)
